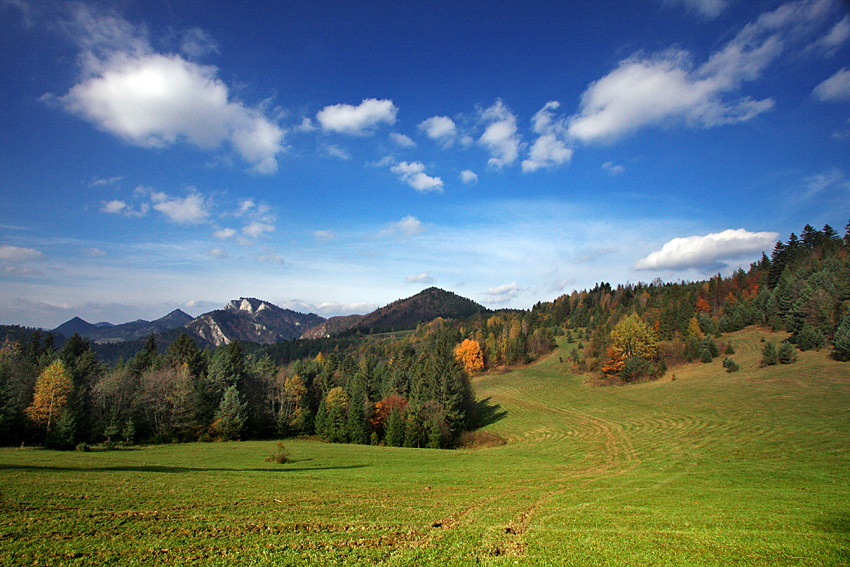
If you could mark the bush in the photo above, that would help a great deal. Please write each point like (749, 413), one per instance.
(786, 354)
(730, 365)
(635, 367)
(729, 349)
(280, 456)
(768, 354)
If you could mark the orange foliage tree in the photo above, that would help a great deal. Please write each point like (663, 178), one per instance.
(469, 354)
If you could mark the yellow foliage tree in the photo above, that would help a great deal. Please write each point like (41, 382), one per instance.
(53, 387)
(634, 338)
(469, 354)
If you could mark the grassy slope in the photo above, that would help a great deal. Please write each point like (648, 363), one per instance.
(750, 468)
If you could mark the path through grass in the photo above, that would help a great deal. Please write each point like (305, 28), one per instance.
(749, 468)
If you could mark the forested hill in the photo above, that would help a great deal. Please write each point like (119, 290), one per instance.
(425, 306)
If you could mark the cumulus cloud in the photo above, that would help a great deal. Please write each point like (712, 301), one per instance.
(441, 129)
(835, 88)
(409, 225)
(424, 277)
(550, 149)
(502, 294)
(255, 229)
(360, 120)
(500, 137)
(667, 88)
(191, 209)
(401, 140)
(119, 207)
(156, 100)
(225, 233)
(468, 177)
(413, 174)
(708, 252)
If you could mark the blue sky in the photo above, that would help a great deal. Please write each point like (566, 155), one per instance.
(333, 157)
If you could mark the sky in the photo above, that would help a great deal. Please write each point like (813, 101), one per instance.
(332, 156)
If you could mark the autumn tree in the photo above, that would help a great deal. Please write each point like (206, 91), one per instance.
(53, 387)
(631, 344)
(469, 354)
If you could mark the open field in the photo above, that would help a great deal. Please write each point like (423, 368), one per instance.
(749, 468)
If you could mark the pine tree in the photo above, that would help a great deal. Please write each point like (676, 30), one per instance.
(230, 417)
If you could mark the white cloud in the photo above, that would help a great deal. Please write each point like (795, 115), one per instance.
(468, 177)
(409, 225)
(16, 254)
(612, 168)
(550, 149)
(156, 100)
(502, 294)
(191, 209)
(709, 251)
(401, 140)
(118, 207)
(102, 182)
(218, 253)
(324, 235)
(270, 258)
(225, 233)
(838, 35)
(500, 136)
(441, 129)
(666, 88)
(336, 151)
(835, 88)
(424, 277)
(358, 120)
(196, 43)
(256, 229)
(708, 9)
(413, 174)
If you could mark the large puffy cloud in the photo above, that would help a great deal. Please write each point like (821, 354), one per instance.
(359, 120)
(835, 88)
(500, 135)
(709, 251)
(667, 88)
(413, 174)
(155, 100)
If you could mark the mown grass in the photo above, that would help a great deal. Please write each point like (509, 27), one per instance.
(709, 468)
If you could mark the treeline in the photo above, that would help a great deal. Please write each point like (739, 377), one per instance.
(802, 288)
(410, 390)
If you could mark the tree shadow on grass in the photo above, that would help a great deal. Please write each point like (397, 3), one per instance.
(487, 413)
(839, 524)
(169, 469)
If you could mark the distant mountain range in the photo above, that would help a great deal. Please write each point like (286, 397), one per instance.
(254, 320)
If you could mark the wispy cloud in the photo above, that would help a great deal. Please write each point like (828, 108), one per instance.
(409, 225)
(424, 277)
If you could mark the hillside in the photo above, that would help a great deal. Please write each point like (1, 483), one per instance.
(710, 469)
(425, 306)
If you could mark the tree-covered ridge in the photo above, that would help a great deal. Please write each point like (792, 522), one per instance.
(412, 387)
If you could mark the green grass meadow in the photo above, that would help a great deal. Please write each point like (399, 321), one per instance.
(701, 467)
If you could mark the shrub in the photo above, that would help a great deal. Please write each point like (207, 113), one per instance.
(634, 367)
(810, 338)
(786, 354)
(729, 349)
(768, 354)
(730, 365)
(280, 456)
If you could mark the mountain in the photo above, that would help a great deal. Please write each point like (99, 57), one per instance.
(76, 325)
(332, 326)
(108, 333)
(425, 306)
(250, 319)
